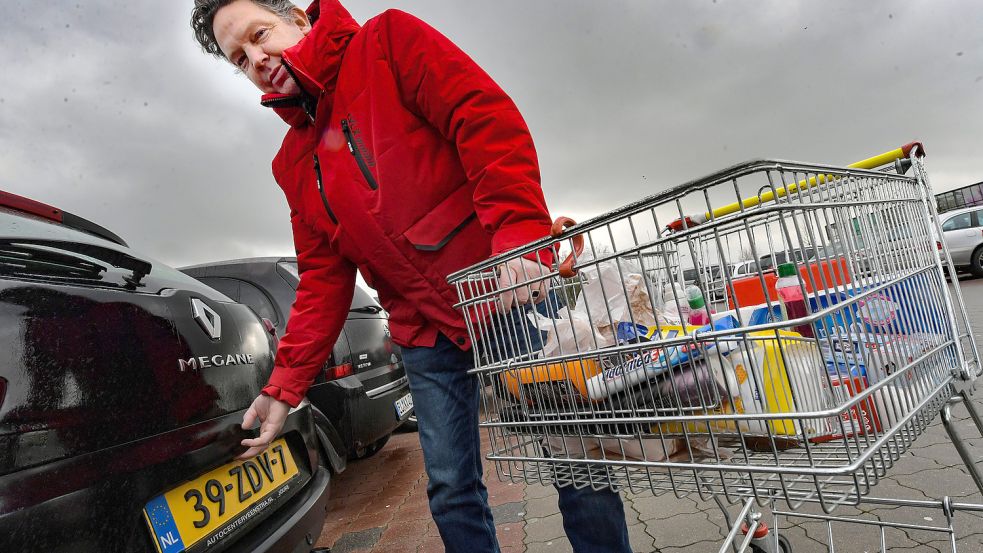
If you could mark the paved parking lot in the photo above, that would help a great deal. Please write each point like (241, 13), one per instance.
(380, 504)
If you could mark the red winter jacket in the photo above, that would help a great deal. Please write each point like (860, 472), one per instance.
(412, 164)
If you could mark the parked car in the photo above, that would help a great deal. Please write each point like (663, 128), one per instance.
(962, 231)
(743, 269)
(710, 278)
(123, 384)
(769, 262)
(363, 389)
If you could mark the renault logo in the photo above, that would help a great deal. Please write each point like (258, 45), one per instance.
(207, 318)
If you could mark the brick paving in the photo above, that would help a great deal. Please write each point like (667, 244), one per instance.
(380, 504)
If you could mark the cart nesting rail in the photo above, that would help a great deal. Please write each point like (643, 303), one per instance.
(668, 356)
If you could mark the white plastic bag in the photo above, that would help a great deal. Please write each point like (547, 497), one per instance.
(616, 291)
(570, 332)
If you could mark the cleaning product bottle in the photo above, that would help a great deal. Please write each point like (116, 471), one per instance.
(789, 288)
(699, 313)
(676, 307)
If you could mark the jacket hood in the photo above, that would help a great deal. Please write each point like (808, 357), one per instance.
(315, 60)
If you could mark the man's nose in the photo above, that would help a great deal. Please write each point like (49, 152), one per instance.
(259, 58)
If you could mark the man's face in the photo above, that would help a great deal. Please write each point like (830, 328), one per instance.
(253, 38)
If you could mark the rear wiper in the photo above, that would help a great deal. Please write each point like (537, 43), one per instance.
(67, 259)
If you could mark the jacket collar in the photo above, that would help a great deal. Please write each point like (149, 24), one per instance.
(314, 62)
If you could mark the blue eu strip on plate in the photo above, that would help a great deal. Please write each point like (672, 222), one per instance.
(168, 539)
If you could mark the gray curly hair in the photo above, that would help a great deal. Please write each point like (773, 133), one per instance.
(203, 16)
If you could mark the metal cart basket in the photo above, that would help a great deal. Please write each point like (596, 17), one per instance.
(776, 331)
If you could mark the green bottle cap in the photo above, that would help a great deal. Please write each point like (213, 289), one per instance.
(787, 270)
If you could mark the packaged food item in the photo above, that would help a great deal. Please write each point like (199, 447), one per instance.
(904, 307)
(552, 384)
(873, 356)
(876, 357)
(649, 364)
(638, 368)
(753, 315)
(860, 420)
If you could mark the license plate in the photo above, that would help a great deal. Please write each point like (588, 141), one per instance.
(403, 406)
(215, 504)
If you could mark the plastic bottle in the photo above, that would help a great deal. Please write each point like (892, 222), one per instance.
(699, 313)
(789, 288)
(676, 307)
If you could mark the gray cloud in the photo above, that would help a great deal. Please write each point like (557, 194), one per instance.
(110, 111)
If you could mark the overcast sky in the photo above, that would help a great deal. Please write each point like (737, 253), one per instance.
(109, 110)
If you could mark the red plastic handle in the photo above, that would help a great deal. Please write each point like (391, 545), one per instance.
(566, 268)
(906, 149)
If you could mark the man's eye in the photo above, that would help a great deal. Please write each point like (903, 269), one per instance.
(260, 33)
(241, 62)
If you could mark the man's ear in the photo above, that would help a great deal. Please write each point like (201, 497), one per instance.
(299, 18)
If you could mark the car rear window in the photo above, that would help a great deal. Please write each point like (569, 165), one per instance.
(361, 298)
(260, 302)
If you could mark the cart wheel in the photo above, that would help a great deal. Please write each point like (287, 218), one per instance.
(783, 546)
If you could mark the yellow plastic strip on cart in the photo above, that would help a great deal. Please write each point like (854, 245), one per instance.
(804, 184)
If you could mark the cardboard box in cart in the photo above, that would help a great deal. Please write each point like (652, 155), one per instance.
(863, 344)
(882, 333)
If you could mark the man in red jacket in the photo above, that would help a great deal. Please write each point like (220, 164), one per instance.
(406, 161)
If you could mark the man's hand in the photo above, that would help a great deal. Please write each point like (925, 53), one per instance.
(272, 413)
(519, 271)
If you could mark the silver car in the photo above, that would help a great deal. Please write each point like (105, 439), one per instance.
(962, 231)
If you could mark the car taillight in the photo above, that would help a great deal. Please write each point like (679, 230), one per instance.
(338, 371)
(938, 245)
(271, 329)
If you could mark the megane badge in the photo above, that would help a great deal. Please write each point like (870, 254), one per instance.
(207, 318)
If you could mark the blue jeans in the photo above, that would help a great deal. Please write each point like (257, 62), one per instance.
(445, 398)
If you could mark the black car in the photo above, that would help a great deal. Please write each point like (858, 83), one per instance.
(363, 389)
(123, 384)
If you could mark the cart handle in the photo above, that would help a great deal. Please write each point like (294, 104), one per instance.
(566, 268)
(904, 152)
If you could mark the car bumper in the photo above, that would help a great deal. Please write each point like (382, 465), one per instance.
(296, 528)
(359, 418)
(97, 499)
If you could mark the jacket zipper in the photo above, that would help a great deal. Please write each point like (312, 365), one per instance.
(320, 189)
(353, 148)
(307, 102)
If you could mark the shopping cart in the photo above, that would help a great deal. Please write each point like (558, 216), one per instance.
(799, 393)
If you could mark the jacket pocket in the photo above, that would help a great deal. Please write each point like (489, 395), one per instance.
(444, 221)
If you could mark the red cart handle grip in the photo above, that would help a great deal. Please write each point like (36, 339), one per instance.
(566, 268)
(906, 149)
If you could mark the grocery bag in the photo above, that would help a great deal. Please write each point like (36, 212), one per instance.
(616, 291)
